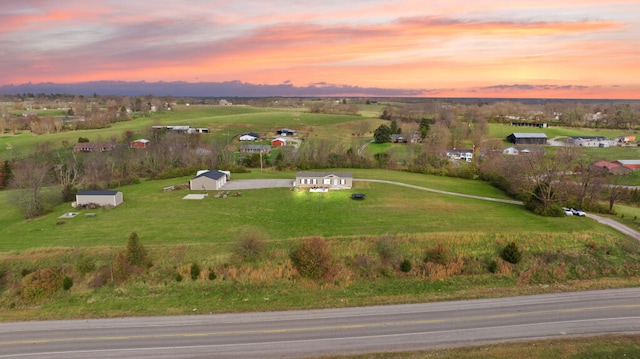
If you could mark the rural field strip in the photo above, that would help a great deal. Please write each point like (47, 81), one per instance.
(267, 183)
(603, 220)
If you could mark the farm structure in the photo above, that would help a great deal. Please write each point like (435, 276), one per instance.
(633, 165)
(141, 143)
(612, 168)
(255, 149)
(520, 138)
(209, 180)
(93, 147)
(104, 198)
(328, 180)
(279, 142)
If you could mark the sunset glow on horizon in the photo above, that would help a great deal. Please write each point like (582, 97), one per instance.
(486, 48)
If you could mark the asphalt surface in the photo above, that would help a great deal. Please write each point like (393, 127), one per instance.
(298, 334)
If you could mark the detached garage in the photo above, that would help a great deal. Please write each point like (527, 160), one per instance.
(105, 198)
(209, 180)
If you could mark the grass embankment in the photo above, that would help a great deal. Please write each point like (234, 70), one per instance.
(368, 239)
(602, 347)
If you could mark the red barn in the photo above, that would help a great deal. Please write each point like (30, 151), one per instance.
(141, 143)
(278, 142)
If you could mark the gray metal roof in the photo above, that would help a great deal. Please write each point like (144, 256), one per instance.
(98, 193)
(324, 174)
(213, 174)
(529, 135)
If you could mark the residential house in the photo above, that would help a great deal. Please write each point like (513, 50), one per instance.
(633, 165)
(106, 198)
(249, 136)
(209, 180)
(398, 138)
(181, 129)
(519, 138)
(612, 168)
(255, 149)
(93, 147)
(141, 143)
(529, 124)
(279, 142)
(286, 132)
(327, 180)
(457, 154)
(588, 141)
(225, 103)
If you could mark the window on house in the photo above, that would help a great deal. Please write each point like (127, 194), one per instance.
(326, 181)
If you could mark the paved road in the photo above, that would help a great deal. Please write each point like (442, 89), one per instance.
(297, 334)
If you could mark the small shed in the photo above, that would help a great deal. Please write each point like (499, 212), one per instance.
(105, 198)
(211, 180)
(519, 138)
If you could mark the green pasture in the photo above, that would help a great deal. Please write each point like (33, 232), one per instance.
(224, 122)
(282, 214)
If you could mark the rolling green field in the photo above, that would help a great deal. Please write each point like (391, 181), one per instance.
(565, 253)
(280, 213)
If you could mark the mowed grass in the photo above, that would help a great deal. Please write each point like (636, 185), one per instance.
(606, 346)
(281, 213)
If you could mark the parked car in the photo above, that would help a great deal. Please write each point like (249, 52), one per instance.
(578, 212)
(567, 211)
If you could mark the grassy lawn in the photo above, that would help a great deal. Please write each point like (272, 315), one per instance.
(607, 346)
(164, 217)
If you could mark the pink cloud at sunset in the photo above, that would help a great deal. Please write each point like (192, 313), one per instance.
(550, 49)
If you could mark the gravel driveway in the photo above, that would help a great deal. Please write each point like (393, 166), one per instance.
(257, 183)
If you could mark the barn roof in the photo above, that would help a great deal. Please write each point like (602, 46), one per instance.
(529, 135)
(98, 193)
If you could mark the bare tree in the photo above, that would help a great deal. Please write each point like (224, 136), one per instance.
(28, 179)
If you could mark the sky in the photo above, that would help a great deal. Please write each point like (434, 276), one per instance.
(448, 48)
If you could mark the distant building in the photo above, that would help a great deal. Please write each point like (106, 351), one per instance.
(209, 180)
(327, 180)
(99, 198)
(93, 147)
(255, 149)
(279, 142)
(633, 165)
(141, 143)
(458, 154)
(612, 168)
(286, 132)
(519, 138)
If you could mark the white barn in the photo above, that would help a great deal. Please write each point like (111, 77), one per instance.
(211, 180)
(105, 198)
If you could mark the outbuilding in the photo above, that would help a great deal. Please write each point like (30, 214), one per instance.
(104, 198)
(520, 138)
(209, 180)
